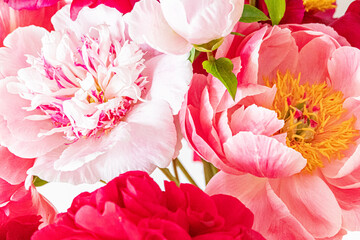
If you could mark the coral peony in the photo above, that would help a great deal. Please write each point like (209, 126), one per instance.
(10, 19)
(87, 101)
(288, 147)
(21, 210)
(132, 206)
(180, 23)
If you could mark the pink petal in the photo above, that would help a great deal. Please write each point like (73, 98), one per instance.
(18, 45)
(344, 70)
(147, 141)
(44, 168)
(45, 208)
(270, 61)
(258, 120)
(148, 25)
(311, 201)
(223, 127)
(262, 156)
(198, 144)
(313, 55)
(13, 169)
(89, 18)
(22, 138)
(271, 216)
(170, 77)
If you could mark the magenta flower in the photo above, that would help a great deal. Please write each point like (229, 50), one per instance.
(349, 24)
(21, 209)
(288, 146)
(132, 206)
(10, 19)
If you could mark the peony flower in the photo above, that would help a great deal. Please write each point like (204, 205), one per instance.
(86, 101)
(132, 206)
(174, 25)
(288, 146)
(20, 228)
(21, 209)
(10, 19)
(348, 25)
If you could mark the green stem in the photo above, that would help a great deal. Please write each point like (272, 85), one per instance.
(187, 175)
(210, 56)
(252, 3)
(168, 174)
(175, 169)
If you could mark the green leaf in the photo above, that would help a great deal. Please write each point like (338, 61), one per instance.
(276, 10)
(192, 55)
(222, 69)
(38, 182)
(252, 14)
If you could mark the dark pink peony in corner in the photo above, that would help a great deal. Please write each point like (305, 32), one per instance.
(132, 206)
(14, 14)
(22, 209)
(348, 25)
(30, 4)
(123, 6)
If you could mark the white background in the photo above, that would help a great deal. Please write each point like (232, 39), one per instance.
(61, 194)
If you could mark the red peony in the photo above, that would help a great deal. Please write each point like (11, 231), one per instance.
(122, 6)
(19, 228)
(132, 206)
(348, 25)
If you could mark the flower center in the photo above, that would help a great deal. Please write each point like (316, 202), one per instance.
(318, 5)
(315, 120)
(94, 84)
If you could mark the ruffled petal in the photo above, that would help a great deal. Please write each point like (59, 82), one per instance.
(311, 201)
(312, 55)
(262, 156)
(13, 169)
(146, 142)
(258, 120)
(257, 195)
(18, 44)
(89, 18)
(344, 71)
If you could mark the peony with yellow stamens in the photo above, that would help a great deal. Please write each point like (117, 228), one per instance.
(288, 147)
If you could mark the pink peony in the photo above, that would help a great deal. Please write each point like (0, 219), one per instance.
(10, 19)
(21, 209)
(86, 101)
(174, 25)
(288, 147)
(132, 206)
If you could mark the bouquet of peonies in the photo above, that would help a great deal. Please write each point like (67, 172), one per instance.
(265, 92)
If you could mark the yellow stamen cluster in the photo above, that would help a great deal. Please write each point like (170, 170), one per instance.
(318, 5)
(315, 120)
